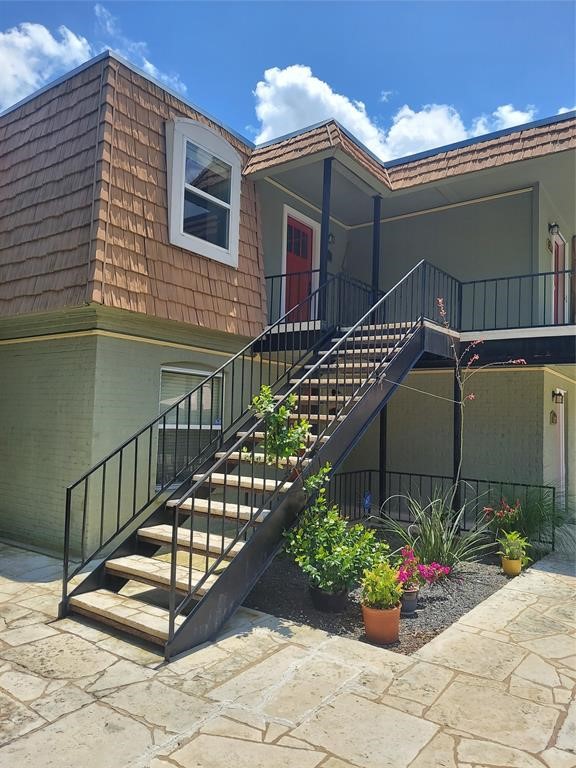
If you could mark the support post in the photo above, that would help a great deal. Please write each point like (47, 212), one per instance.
(382, 458)
(324, 232)
(457, 451)
(376, 245)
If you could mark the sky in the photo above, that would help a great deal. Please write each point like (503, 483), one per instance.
(402, 76)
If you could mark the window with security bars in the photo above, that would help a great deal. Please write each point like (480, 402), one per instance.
(190, 426)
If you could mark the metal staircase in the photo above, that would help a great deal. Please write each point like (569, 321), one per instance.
(174, 557)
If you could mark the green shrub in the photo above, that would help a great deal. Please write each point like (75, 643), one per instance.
(282, 438)
(380, 587)
(331, 553)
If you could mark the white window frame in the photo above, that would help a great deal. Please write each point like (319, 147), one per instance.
(316, 228)
(193, 372)
(178, 132)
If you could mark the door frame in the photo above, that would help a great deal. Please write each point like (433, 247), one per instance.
(565, 301)
(315, 226)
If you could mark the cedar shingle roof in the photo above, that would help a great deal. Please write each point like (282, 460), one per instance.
(533, 140)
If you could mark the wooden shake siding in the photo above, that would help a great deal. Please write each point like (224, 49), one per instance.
(47, 158)
(134, 266)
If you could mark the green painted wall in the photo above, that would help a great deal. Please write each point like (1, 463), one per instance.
(46, 415)
(503, 429)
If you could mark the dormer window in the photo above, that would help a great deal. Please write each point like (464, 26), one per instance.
(203, 191)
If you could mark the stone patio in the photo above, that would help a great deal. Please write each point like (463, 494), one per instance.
(495, 689)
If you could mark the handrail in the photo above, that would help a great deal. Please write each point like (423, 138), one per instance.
(135, 455)
(396, 485)
(407, 299)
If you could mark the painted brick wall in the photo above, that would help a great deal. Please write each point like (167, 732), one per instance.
(46, 415)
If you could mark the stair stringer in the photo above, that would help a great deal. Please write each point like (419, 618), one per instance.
(209, 614)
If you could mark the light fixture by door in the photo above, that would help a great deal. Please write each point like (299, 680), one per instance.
(558, 396)
(553, 228)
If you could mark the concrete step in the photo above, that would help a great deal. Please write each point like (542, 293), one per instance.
(247, 457)
(149, 570)
(230, 510)
(192, 541)
(125, 613)
(258, 484)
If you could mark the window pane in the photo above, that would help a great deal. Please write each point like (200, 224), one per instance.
(206, 172)
(175, 385)
(205, 219)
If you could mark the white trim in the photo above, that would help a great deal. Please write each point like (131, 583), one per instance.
(411, 214)
(192, 371)
(561, 240)
(316, 228)
(520, 333)
(178, 132)
(304, 325)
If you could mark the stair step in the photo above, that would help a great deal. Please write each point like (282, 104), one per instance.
(316, 417)
(322, 399)
(235, 456)
(344, 366)
(369, 338)
(127, 613)
(328, 382)
(229, 510)
(379, 327)
(201, 543)
(251, 483)
(360, 351)
(148, 570)
(260, 436)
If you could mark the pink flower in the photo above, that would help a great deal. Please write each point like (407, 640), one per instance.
(519, 361)
(471, 396)
(473, 359)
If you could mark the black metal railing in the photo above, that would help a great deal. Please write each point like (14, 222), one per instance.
(520, 301)
(353, 360)
(145, 470)
(361, 493)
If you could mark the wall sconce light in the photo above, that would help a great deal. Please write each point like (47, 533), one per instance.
(331, 239)
(553, 228)
(558, 396)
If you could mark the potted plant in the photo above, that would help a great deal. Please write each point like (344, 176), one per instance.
(381, 596)
(330, 552)
(512, 551)
(410, 579)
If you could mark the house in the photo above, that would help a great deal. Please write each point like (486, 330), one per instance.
(153, 259)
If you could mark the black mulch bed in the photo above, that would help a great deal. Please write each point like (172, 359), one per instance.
(283, 592)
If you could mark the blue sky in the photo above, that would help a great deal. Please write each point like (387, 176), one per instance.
(402, 76)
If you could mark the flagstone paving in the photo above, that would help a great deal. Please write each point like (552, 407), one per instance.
(495, 690)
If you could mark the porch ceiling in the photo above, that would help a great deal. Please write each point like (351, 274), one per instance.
(351, 200)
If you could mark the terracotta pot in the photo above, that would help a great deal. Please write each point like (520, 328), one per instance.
(511, 567)
(409, 601)
(382, 625)
(329, 602)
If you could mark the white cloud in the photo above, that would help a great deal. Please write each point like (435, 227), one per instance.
(133, 50)
(505, 116)
(292, 98)
(563, 110)
(432, 126)
(30, 56)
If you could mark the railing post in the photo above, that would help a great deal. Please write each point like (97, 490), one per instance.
(423, 289)
(325, 231)
(63, 609)
(459, 308)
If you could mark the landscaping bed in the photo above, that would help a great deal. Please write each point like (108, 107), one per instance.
(283, 591)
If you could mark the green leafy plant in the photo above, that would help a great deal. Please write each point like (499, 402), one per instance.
(513, 546)
(331, 553)
(283, 439)
(536, 518)
(435, 534)
(381, 587)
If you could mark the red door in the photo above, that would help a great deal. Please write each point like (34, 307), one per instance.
(559, 281)
(298, 268)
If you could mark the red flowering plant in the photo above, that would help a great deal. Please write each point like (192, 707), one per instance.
(504, 517)
(413, 574)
